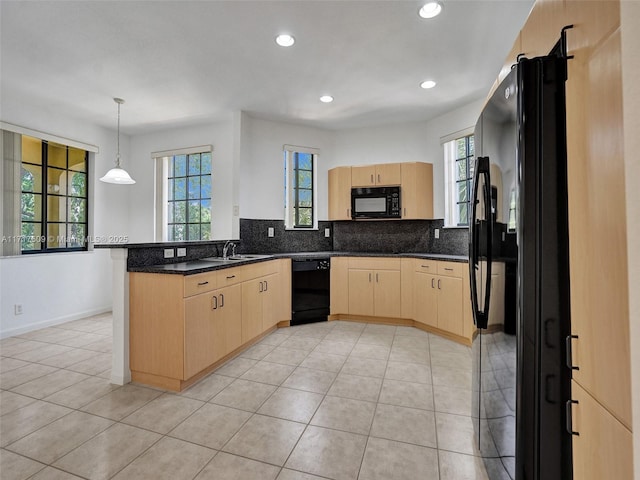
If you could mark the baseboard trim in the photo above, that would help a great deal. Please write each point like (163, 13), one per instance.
(56, 321)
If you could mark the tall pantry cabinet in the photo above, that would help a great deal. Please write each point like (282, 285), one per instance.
(599, 348)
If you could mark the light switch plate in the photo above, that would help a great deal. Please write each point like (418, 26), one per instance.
(168, 253)
(182, 252)
(236, 210)
(270, 232)
(436, 233)
(327, 232)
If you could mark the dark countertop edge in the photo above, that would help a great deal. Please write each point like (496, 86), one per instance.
(167, 270)
(161, 244)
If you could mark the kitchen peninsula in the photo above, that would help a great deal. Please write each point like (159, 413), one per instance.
(183, 319)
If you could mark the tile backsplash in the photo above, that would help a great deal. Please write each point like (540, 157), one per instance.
(392, 236)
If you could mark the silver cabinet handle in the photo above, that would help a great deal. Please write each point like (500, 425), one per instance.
(261, 287)
(568, 412)
(377, 278)
(432, 285)
(439, 284)
(266, 285)
(448, 269)
(369, 278)
(230, 277)
(221, 300)
(214, 303)
(405, 212)
(379, 179)
(202, 283)
(425, 266)
(372, 178)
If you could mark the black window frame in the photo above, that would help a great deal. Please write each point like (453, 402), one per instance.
(172, 198)
(44, 237)
(468, 180)
(297, 189)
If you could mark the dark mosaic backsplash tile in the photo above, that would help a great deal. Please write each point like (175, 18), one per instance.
(151, 255)
(406, 236)
(255, 240)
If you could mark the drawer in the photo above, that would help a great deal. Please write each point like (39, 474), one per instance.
(234, 275)
(200, 283)
(425, 266)
(451, 269)
(374, 263)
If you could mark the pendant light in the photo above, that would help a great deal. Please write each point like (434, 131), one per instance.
(118, 175)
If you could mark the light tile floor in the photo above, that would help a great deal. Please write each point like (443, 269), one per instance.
(338, 400)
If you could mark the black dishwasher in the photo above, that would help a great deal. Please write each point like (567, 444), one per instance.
(309, 290)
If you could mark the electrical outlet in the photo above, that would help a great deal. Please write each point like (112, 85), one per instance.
(270, 232)
(436, 233)
(182, 252)
(327, 232)
(168, 253)
(17, 309)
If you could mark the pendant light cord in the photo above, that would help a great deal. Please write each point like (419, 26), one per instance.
(118, 154)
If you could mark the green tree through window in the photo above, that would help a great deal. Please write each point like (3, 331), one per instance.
(189, 202)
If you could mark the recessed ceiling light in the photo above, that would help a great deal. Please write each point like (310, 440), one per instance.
(430, 9)
(428, 84)
(326, 99)
(285, 40)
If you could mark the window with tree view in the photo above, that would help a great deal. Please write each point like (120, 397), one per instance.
(299, 189)
(459, 155)
(189, 197)
(54, 197)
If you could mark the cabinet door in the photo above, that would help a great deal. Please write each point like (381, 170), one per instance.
(361, 292)
(339, 295)
(230, 311)
(425, 299)
(604, 448)
(340, 193)
(416, 190)
(252, 309)
(200, 334)
(450, 316)
(270, 295)
(388, 174)
(364, 176)
(386, 293)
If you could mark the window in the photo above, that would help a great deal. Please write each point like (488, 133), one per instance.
(459, 165)
(300, 187)
(183, 194)
(53, 197)
(189, 197)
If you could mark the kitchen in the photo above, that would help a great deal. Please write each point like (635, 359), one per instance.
(133, 207)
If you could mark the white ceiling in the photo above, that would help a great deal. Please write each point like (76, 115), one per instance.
(186, 62)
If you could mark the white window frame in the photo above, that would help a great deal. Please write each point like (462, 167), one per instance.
(161, 166)
(451, 199)
(289, 210)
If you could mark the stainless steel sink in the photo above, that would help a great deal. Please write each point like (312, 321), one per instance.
(234, 258)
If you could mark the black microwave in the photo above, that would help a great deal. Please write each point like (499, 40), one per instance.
(378, 202)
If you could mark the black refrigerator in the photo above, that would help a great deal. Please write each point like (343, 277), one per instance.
(521, 383)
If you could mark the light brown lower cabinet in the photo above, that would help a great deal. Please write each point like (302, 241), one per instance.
(212, 328)
(603, 447)
(429, 294)
(438, 297)
(181, 326)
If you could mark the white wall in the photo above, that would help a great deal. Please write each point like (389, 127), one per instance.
(262, 168)
(142, 194)
(630, 22)
(454, 121)
(59, 287)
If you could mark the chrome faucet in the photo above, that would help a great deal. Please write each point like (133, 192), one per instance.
(225, 249)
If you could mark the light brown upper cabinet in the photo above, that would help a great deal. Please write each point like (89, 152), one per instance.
(415, 180)
(416, 190)
(376, 175)
(340, 193)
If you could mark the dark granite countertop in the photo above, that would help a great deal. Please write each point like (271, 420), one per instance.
(201, 266)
